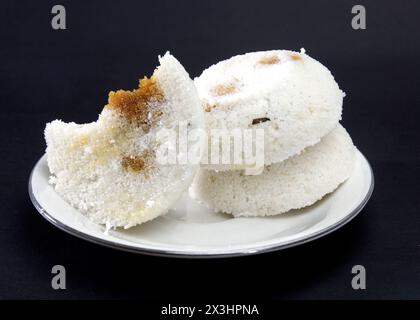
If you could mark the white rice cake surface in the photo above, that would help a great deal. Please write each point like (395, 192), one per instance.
(293, 97)
(107, 169)
(292, 184)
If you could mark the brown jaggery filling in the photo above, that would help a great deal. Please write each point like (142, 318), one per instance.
(295, 57)
(269, 60)
(135, 105)
(137, 163)
(224, 90)
(260, 120)
(208, 107)
(140, 107)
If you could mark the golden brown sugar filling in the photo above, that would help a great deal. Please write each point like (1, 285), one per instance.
(137, 163)
(269, 60)
(260, 120)
(208, 107)
(135, 105)
(224, 90)
(295, 57)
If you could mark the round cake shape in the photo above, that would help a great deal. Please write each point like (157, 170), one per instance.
(290, 95)
(292, 184)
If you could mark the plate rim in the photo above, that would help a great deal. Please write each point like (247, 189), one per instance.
(199, 254)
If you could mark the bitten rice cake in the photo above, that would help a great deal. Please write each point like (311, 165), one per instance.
(108, 169)
(293, 97)
(292, 184)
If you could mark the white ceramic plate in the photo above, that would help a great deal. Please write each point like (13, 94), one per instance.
(192, 230)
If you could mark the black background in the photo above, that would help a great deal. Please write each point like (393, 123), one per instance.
(47, 74)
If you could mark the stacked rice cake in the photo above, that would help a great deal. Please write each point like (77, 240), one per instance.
(298, 104)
